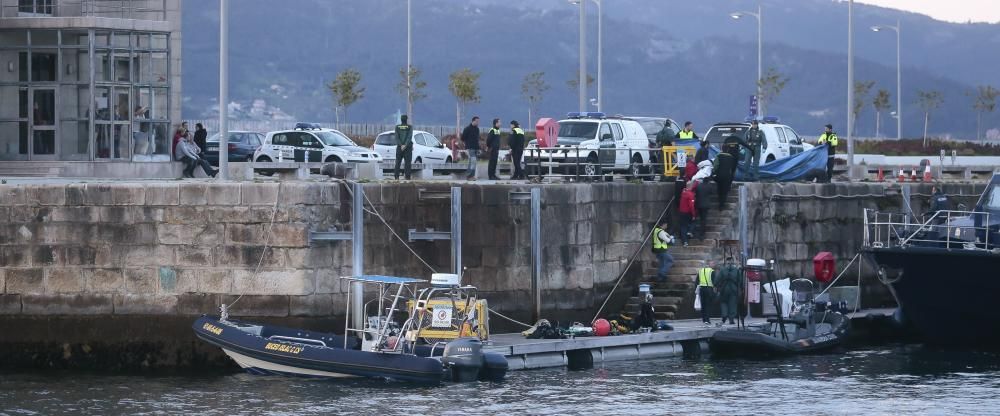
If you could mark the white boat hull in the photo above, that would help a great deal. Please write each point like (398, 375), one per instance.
(255, 366)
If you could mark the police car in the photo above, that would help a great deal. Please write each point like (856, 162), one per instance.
(780, 141)
(595, 143)
(309, 142)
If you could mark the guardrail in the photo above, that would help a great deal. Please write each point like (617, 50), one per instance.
(939, 229)
(583, 163)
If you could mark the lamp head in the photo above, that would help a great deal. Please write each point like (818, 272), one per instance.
(736, 16)
(876, 28)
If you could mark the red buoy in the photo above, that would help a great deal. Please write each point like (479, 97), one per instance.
(602, 327)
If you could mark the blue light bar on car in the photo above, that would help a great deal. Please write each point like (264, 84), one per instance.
(771, 120)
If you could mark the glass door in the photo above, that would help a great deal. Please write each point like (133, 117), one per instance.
(42, 119)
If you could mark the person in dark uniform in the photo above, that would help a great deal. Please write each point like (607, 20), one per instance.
(666, 135)
(702, 154)
(728, 283)
(723, 167)
(732, 146)
(516, 143)
(755, 138)
(493, 148)
(404, 146)
(829, 138)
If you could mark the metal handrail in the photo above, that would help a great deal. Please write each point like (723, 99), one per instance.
(886, 230)
(554, 158)
(123, 9)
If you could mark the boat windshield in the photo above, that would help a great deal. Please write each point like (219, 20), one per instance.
(992, 200)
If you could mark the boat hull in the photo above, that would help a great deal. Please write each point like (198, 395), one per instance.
(947, 296)
(757, 344)
(264, 354)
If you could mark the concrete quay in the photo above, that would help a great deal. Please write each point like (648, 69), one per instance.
(110, 275)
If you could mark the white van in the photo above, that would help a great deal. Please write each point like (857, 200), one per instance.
(597, 144)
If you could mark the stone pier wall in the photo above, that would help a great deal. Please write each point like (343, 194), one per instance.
(78, 261)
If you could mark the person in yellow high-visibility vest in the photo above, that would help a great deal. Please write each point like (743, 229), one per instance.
(830, 139)
(706, 289)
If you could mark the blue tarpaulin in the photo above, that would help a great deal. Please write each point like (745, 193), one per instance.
(803, 166)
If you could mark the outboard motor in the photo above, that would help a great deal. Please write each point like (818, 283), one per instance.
(462, 359)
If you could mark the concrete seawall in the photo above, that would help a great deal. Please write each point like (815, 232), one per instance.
(110, 275)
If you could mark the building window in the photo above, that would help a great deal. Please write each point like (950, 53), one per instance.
(34, 7)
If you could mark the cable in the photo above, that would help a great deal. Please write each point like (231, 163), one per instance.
(632, 259)
(267, 246)
(509, 318)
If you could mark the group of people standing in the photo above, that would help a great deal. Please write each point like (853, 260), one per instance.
(470, 139)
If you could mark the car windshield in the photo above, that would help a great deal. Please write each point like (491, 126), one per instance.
(652, 126)
(331, 138)
(575, 129)
(719, 133)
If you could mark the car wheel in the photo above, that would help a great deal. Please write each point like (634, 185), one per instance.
(590, 169)
(448, 160)
(333, 159)
(419, 160)
(770, 158)
(635, 168)
(265, 172)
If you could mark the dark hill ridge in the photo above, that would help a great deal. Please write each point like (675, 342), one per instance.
(694, 68)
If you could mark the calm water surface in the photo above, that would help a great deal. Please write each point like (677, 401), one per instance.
(881, 380)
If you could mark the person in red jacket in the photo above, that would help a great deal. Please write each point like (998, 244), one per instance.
(688, 212)
(689, 170)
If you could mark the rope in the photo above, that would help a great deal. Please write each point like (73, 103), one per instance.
(632, 259)
(509, 318)
(856, 256)
(267, 246)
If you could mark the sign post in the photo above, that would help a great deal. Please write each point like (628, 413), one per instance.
(753, 107)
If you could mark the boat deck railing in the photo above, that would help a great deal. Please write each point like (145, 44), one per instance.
(937, 229)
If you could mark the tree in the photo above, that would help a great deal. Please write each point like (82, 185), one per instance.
(575, 81)
(532, 89)
(985, 100)
(929, 101)
(464, 85)
(861, 89)
(346, 89)
(881, 103)
(770, 86)
(415, 87)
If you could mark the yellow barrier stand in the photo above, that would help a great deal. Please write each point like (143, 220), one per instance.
(670, 158)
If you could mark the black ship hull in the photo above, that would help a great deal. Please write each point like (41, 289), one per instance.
(948, 296)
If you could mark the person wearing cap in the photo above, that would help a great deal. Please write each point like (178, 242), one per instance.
(516, 143)
(404, 146)
(666, 135)
(755, 138)
(493, 149)
(830, 139)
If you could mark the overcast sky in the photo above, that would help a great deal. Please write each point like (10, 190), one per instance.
(951, 10)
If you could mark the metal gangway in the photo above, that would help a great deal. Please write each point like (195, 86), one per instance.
(949, 229)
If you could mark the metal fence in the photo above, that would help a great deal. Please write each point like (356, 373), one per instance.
(937, 229)
(350, 129)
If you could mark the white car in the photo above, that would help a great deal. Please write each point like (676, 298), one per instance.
(312, 145)
(597, 143)
(426, 147)
(780, 141)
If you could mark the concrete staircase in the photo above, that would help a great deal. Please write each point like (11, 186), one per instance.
(33, 169)
(675, 298)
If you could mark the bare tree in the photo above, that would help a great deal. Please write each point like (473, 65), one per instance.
(929, 101)
(575, 81)
(464, 85)
(984, 100)
(416, 87)
(881, 103)
(770, 87)
(532, 89)
(346, 90)
(861, 89)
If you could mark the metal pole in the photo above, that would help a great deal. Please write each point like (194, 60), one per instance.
(899, 86)
(760, 53)
(456, 229)
(850, 90)
(409, 60)
(583, 56)
(600, 58)
(536, 250)
(357, 294)
(744, 244)
(223, 89)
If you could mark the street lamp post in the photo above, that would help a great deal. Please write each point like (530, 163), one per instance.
(224, 89)
(583, 57)
(409, 57)
(899, 78)
(600, 52)
(760, 44)
(850, 90)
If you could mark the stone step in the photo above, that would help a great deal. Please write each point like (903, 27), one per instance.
(664, 300)
(633, 308)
